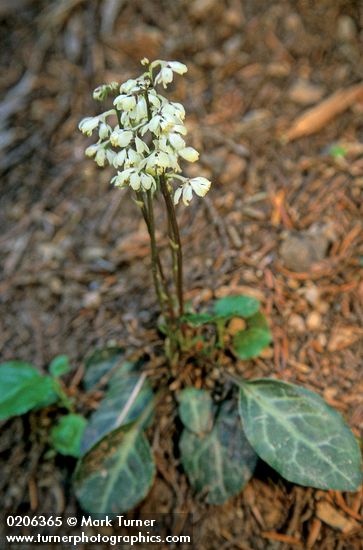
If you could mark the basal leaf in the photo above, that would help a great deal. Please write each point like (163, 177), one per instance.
(66, 435)
(23, 388)
(117, 473)
(59, 365)
(220, 463)
(299, 435)
(127, 396)
(196, 410)
(250, 342)
(100, 363)
(236, 306)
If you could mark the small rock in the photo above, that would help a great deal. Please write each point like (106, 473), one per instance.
(304, 92)
(313, 320)
(346, 29)
(56, 285)
(296, 322)
(312, 295)
(300, 250)
(92, 299)
(92, 253)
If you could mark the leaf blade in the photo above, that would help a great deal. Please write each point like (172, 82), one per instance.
(123, 459)
(66, 435)
(23, 388)
(125, 383)
(196, 410)
(236, 306)
(221, 462)
(277, 416)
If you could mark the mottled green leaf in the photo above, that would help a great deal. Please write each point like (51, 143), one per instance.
(299, 435)
(236, 306)
(220, 463)
(59, 365)
(117, 473)
(198, 319)
(196, 410)
(100, 363)
(250, 342)
(127, 396)
(23, 388)
(66, 435)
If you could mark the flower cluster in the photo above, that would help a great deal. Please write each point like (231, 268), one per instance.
(142, 136)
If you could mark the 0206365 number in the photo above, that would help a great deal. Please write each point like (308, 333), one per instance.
(35, 521)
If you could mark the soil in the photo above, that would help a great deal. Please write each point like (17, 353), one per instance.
(283, 222)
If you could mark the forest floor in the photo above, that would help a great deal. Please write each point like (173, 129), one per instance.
(283, 222)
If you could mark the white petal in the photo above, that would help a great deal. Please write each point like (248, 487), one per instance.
(189, 154)
(103, 131)
(200, 186)
(187, 194)
(177, 194)
(176, 141)
(91, 150)
(119, 158)
(100, 157)
(178, 67)
(88, 124)
(110, 155)
(141, 146)
(154, 124)
(135, 181)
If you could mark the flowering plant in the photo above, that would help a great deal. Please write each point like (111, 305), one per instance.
(289, 427)
(142, 137)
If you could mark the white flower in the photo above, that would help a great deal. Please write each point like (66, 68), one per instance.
(101, 92)
(147, 182)
(122, 177)
(176, 141)
(154, 124)
(199, 185)
(119, 158)
(154, 99)
(110, 155)
(88, 124)
(189, 154)
(135, 180)
(100, 157)
(141, 146)
(164, 77)
(91, 150)
(129, 86)
(125, 102)
(177, 67)
(104, 130)
(121, 138)
(133, 158)
(180, 129)
(172, 111)
(141, 109)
